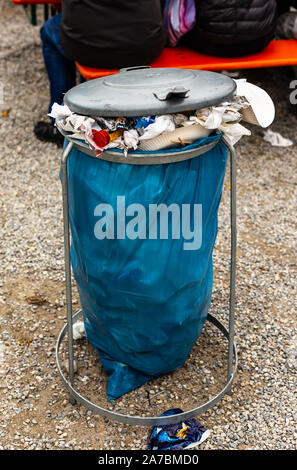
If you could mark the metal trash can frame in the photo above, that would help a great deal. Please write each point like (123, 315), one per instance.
(158, 158)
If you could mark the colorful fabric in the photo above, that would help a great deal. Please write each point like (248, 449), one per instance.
(179, 18)
(183, 435)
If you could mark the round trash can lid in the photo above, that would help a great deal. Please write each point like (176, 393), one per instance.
(143, 91)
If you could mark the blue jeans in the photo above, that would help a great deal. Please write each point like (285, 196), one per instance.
(60, 69)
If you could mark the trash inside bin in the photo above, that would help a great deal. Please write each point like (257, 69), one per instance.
(143, 230)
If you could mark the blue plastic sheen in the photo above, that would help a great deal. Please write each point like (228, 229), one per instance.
(144, 301)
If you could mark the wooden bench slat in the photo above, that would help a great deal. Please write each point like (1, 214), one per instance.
(278, 53)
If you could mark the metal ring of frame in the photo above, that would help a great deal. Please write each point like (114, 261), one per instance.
(143, 420)
(140, 158)
(229, 333)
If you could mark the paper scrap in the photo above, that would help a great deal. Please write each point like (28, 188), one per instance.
(276, 139)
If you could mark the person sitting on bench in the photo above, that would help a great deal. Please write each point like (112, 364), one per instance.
(287, 22)
(230, 29)
(97, 34)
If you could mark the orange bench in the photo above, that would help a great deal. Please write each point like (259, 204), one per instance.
(277, 53)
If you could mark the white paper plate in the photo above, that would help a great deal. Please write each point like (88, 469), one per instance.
(171, 139)
(261, 111)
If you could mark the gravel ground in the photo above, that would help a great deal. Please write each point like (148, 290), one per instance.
(34, 407)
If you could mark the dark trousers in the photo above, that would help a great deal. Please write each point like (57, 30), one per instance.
(60, 69)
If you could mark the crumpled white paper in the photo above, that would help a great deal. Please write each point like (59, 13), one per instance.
(163, 123)
(60, 111)
(276, 139)
(131, 138)
(116, 143)
(76, 122)
(78, 330)
(179, 119)
(233, 132)
(225, 118)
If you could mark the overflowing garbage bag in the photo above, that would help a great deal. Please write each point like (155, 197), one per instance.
(143, 235)
(158, 132)
(249, 103)
(144, 300)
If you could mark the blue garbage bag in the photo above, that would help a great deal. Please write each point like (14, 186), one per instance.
(144, 295)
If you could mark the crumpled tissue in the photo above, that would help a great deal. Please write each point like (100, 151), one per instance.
(276, 139)
(78, 330)
(163, 123)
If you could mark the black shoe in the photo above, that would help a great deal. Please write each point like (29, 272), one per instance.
(47, 132)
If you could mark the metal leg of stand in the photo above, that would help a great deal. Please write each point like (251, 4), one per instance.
(33, 15)
(233, 256)
(45, 12)
(67, 263)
